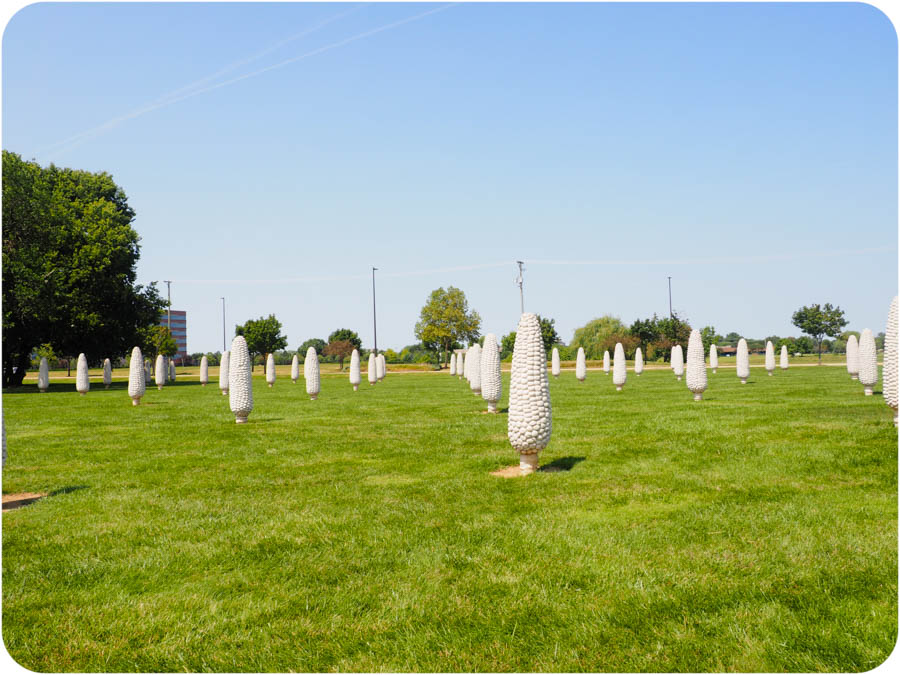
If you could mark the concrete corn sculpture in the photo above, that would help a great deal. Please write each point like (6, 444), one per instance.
(372, 373)
(530, 418)
(172, 370)
(453, 364)
(82, 379)
(137, 383)
(678, 361)
(784, 357)
(380, 367)
(474, 361)
(295, 367)
(225, 372)
(853, 357)
(890, 372)
(270, 370)
(554, 363)
(460, 365)
(606, 362)
(638, 362)
(107, 373)
(619, 369)
(159, 372)
(468, 374)
(580, 365)
(311, 373)
(696, 365)
(204, 371)
(743, 361)
(43, 375)
(868, 364)
(355, 378)
(491, 382)
(770, 357)
(713, 358)
(240, 380)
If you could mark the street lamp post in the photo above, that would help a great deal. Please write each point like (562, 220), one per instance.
(374, 321)
(223, 325)
(520, 281)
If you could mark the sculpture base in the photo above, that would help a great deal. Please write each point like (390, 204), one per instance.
(43, 391)
(203, 384)
(241, 418)
(313, 397)
(714, 371)
(106, 386)
(581, 379)
(224, 392)
(492, 406)
(770, 373)
(355, 387)
(698, 397)
(271, 384)
(854, 377)
(477, 392)
(556, 375)
(618, 387)
(136, 400)
(868, 391)
(528, 463)
(743, 380)
(83, 393)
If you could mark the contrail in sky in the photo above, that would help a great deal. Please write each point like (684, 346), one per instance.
(78, 139)
(468, 268)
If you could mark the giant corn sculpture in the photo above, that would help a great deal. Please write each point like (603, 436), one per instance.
(107, 373)
(853, 357)
(225, 372)
(784, 357)
(770, 357)
(172, 370)
(696, 365)
(240, 380)
(554, 363)
(372, 370)
(743, 361)
(619, 369)
(380, 367)
(580, 365)
(355, 378)
(678, 361)
(43, 375)
(137, 384)
(453, 364)
(474, 362)
(270, 370)
(889, 371)
(713, 358)
(638, 361)
(82, 379)
(606, 362)
(461, 365)
(491, 383)
(311, 373)
(204, 371)
(530, 420)
(295, 367)
(868, 364)
(159, 371)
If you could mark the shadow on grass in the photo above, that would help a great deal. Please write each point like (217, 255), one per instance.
(561, 464)
(17, 501)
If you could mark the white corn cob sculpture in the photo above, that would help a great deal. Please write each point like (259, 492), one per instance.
(468, 373)
(696, 365)
(474, 361)
(530, 419)
(491, 383)
(137, 384)
(107, 373)
(713, 358)
(554, 363)
(372, 370)
(240, 380)
(311, 373)
(270, 370)
(784, 357)
(853, 357)
(638, 361)
(619, 369)
(295, 367)
(460, 365)
(453, 364)
(743, 361)
(770, 357)
(225, 372)
(868, 364)
(355, 378)
(43, 375)
(380, 367)
(580, 365)
(606, 362)
(172, 370)
(889, 371)
(678, 361)
(204, 371)
(82, 379)
(160, 371)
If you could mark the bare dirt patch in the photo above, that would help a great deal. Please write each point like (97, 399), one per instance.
(20, 499)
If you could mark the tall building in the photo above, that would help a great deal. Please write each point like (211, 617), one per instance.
(179, 331)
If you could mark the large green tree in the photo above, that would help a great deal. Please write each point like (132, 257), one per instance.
(316, 343)
(817, 321)
(346, 334)
(549, 336)
(69, 266)
(446, 319)
(263, 335)
(594, 335)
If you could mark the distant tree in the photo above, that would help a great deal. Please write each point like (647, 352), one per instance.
(263, 336)
(159, 340)
(214, 358)
(645, 330)
(507, 343)
(732, 339)
(348, 335)
(391, 356)
(446, 319)
(709, 337)
(317, 343)
(594, 335)
(805, 344)
(817, 321)
(879, 341)
(339, 349)
(548, 333)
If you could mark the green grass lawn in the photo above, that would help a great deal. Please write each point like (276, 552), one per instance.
(753, 531)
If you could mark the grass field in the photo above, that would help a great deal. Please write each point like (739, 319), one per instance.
(753, 531)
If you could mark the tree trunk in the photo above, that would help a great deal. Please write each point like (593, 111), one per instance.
(820, 352)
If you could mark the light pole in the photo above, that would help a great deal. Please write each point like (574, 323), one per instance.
(520, 281)
(169, 309)
(671, 316)
(223, 325)
(374, 321)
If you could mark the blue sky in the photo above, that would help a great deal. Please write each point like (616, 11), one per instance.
(747, 150)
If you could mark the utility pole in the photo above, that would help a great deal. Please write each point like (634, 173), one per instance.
(169, 308)
(374, 321)
(223, 325)
(671, 315)
(520, 281)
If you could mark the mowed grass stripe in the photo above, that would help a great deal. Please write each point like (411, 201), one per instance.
(755, 530)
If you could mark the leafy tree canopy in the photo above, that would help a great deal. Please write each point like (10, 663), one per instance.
(339, 349)
(594, 335)
(263, 335)
(548, 333)
(446, 319)
(345, 334)
(817, 321)
(317, 343)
